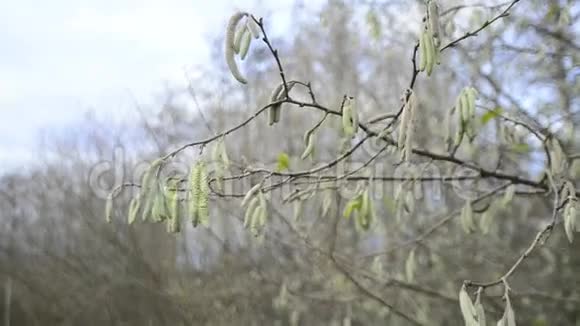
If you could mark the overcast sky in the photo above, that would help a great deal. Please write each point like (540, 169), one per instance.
(60, 58)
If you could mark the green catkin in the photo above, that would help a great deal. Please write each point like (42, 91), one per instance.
(159, 210)
(568, 191)
(448, 127)
(109, 208)
(149, 177)
(173, 205)
(219, 166)
(257, 213)
(471, 98)
(467, 218)
(307, 134)
(354, 114)
(570, 218)
(274, 111)
(410, 266)
(327, 202)
(173, 225)
(470, 104)
(145, 180)
(148, 201)
(309, 147)
(480, 312)
(262, 218)
(487, 217)
(508, 195)
(399, 204)
(434, 25)
(203, 200)
(148, 188)
(238, 39)
(423, 50)
(250, 193)
(263, 204)
(559, 161)
(250, 211)
(365, 211)
(410, 202)
(430, 53)
(460, 110)
(133, 209)
(568, 227)
(221, 161)
(298, 209)
(173, 222)
(403, 126)
(350, 207)
(465, 106)
(508, 318)
(438, 56)
(278, 94)
(576, 217)
(255, 221)
(410, 131)
(245, 43)
(347, 125)
(168, 225)
(194, 192)
(467, 309)
(229, 46)
(407, 128)
(274, 114)
(458, 137)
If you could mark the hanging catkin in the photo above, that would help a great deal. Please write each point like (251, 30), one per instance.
(194, 192)
(434, 25)
(133, 209)
(278, 94)
(230, 49)
(203, 200)
(149, 187)
(109, 208)
(407, 126)
(349, 117)
(245, 43)
(172, 194)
